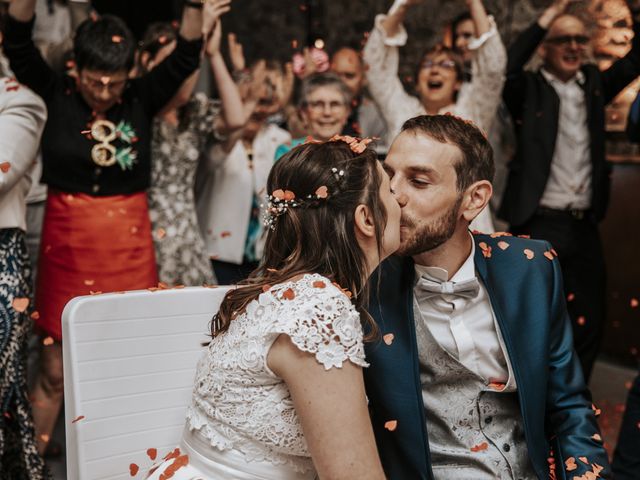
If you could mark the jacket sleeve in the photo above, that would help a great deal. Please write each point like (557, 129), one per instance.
(22, 119)
(157, 87)
(518, 56)
(624, 70)
(25, 59)
(571, 419)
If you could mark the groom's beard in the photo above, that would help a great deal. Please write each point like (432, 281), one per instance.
(427, 236)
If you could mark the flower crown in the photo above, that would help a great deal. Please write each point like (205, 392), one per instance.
(279, 201)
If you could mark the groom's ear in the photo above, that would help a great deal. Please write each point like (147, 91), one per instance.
(475, 199)
(364, 223)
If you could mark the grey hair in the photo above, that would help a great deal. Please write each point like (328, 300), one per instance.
(326, 79)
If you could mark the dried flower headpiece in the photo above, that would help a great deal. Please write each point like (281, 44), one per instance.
(281, 200)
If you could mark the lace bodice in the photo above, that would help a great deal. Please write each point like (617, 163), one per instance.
(238, 402)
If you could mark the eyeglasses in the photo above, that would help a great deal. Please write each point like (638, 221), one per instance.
(319, 105)
(563, 40)
(446, 64)
(99, 84)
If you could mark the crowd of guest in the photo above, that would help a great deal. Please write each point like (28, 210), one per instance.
(117, 171)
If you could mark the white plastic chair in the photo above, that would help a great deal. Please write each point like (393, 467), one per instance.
(129, 365)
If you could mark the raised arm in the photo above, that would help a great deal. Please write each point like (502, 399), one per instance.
(626, 69)
(382, 59)
(571, 421)
(488, 67)
(156, 88)
(232, 106)
(25, 59)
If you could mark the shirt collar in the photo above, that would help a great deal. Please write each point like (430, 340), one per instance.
(466, 272)
(551, 78)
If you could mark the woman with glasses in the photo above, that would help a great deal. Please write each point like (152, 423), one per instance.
(439, 76)
(324, 105)
(96, 235)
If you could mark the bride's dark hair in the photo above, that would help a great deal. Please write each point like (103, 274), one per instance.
(317, 234)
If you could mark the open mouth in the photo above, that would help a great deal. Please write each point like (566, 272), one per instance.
(435, 84)
(571, 58)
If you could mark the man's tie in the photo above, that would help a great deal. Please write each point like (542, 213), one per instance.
(466, 289)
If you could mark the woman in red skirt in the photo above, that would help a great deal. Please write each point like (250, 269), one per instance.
(96, 162)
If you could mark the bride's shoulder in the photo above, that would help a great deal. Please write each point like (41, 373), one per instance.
(309, 286)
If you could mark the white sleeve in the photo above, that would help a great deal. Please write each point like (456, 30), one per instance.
(321, 320)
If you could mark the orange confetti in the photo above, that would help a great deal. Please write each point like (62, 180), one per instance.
(634, 303)
(500, 234)
(596, 437)
(584, 460)
(596, 410)
(272, 270)
(95, 293)
(497, 386)
(77, 419)
(161, 233)
(571, 297)
(134, 230)
(35, 315)
(177, 287)
(289, 294)
(225, 234)
(549, 255)
(116, 39)
(279, 194)
(570, 464)
(163, 286)
(319, 284)
(266, 287)
(20, 304)
(48, 341)
(502, 245)
(524, 236)
(529, 254)
(88, 283)
(391, 425)
(174, 454)
(553, 252)
(388, 338)
(481, 447)
(45, 437)
(153, 453)
(133, 469)
(322, 192)
(581, 321)
(289, 195)
(4, 167)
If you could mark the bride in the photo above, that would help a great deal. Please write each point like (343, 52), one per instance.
(279, 393)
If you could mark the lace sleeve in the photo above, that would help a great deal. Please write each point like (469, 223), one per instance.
(479, 102)
(320, 319)
(382, 58)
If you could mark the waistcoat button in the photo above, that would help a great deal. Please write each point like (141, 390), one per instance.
(506, 447)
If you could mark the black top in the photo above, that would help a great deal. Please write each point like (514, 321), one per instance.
(67, 143)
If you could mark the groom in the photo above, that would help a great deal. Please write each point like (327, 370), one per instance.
(475, 376)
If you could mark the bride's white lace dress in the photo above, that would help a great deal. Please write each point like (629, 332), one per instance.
(242, 423)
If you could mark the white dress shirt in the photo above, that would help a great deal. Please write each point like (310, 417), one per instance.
(569, 184)
(465, 328)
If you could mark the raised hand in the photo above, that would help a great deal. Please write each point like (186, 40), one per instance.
(211, 13)
(236, 54)
(213, 44)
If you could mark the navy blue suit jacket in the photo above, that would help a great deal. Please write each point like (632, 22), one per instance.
(528, 300)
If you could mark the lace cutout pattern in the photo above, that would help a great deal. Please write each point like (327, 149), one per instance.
(238, 402)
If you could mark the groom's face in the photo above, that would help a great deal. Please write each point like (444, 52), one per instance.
(423, 178)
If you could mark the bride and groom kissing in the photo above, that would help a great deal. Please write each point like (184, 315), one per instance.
(379, 338)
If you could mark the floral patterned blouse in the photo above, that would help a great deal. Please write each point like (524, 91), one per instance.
(180, 250)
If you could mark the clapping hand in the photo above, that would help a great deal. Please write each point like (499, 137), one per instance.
(211, 13)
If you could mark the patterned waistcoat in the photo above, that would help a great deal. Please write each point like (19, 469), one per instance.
(474, 432)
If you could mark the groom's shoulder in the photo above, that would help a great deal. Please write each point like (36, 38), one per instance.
(514, 250)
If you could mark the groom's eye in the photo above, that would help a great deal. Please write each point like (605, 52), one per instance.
(419, 182)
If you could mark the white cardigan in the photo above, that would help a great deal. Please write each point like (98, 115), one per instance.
(224, 201)
(22, 118)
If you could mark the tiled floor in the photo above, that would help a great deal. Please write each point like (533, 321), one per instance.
(609, 387)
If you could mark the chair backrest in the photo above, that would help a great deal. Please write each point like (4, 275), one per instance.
(129, 365)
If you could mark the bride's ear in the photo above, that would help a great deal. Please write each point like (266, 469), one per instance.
(365, 225)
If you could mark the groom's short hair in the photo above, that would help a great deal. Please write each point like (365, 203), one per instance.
(476, 161)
